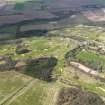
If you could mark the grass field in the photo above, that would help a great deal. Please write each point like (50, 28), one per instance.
(94, 60)
(11, 82)
(82, 32)
(89, 58)
(84, 81)
(17, 88)
(41, 46)
(39, 94)
(21, 88)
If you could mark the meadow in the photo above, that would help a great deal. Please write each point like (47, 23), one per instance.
(18, 88)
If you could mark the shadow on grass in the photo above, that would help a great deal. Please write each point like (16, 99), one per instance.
(40, 68)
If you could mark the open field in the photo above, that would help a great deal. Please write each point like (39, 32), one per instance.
(10, 83)
(57, 13)
(28, 90)
(18, 88)
(82, 33)
(72, 76)
(39, 94)
(36, 40)
(90, 58)
(31, 90)
(22, 89)
(41, 46)
(35, 37)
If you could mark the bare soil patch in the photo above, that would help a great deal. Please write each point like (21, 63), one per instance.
(76, 96)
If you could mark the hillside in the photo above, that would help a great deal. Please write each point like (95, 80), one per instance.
(33, 16)
(52, 52)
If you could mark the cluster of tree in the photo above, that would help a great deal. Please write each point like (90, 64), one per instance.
(71, 56)
(22, 48)
(41, 68)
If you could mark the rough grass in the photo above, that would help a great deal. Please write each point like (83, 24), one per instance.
(10, 82)
(84, 81)
(82, 32)
(41, 46)
(91, 58)
(39, 94)
(76, 96)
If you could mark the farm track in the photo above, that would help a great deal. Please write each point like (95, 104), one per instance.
(17, 93)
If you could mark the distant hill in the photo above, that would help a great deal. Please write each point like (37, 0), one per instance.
(32, 15)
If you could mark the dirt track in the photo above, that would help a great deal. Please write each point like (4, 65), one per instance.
(17, 93)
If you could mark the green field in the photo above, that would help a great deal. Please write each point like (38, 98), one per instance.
(95, 61)
(10, 82)
(41, 46)
(51, 40)
(18, 88)
(90, 59)
(34, 92)
(82, 33)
